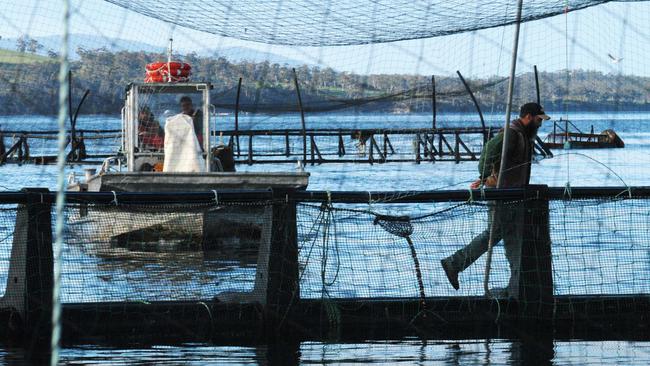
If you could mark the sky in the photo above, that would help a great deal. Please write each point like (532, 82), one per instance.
(583, 39)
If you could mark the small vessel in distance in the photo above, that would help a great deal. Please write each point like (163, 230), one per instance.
(566, 135)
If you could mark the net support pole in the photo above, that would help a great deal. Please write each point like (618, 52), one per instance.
(511, 87)
(302, 117)
(478, 107)
(506, 138)
(283, 289)
(539, 98)
(30, 278)
(536, 271)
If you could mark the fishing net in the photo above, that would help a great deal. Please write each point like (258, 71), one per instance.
(197, 251)
(342, 23)
(373, 82)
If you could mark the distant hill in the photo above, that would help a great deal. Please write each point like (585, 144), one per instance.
(32, 88)
(15, 57)
(90, 42)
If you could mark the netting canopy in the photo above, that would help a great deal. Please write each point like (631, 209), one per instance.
(342, 22)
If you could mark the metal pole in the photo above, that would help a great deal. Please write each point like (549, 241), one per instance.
(504, 147)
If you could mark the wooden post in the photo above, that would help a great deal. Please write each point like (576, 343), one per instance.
(536, 271)
(287, 148)
(82, 147)
(311, 149)
(457, 148)
(3, 150)
(30, 279)
(237, 117)
(425, 145)
(433, 99)
(432, 147)
(417, 149)
(250, 149)
(371, 158)
(26, 149)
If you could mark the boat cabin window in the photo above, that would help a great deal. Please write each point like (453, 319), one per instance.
(163, 118)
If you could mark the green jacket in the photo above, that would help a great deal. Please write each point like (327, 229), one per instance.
(519, 152)
(490, 159)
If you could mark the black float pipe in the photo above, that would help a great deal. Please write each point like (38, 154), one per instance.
(478, 108)
(537, 85)
(302, 117)
(389, 197)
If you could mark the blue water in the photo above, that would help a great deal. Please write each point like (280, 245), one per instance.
(604, 263)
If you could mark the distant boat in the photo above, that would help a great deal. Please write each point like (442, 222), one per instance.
(566, 135)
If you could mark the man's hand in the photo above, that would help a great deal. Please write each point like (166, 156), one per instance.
(476, 184)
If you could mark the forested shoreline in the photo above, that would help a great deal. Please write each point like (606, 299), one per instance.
(32, 88)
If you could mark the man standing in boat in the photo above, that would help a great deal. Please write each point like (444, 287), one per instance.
(504, 218)
(150, 134)
(197, 117)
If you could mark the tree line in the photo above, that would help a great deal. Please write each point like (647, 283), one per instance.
(270, 87)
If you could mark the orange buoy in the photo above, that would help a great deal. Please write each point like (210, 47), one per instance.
(163, 72)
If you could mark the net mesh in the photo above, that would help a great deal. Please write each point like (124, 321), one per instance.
(364, 65)
(196, 252)
(171, 252)
(343, 23)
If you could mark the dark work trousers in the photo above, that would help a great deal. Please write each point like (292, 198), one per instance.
(506, 221)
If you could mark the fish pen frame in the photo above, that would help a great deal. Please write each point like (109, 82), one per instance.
(26, 306)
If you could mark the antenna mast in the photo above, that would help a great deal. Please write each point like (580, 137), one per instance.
(169, 60)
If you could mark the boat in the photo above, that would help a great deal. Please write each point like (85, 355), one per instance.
(186, 157)
(566, 135)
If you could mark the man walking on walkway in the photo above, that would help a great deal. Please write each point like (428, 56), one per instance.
(505, 219)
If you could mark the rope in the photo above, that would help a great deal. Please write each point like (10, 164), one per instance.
(209, 313)
(60, 195)
(114, 201)
(567, 190)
